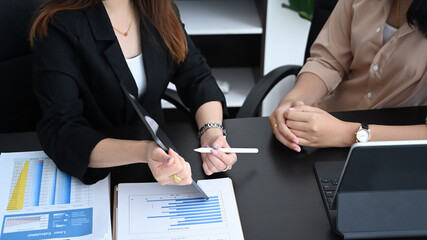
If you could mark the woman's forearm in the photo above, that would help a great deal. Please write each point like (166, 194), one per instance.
(209, 112)
(116, 152)
(389, 133)
(308, 88)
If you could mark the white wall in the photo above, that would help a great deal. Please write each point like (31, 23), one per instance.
(285, 40)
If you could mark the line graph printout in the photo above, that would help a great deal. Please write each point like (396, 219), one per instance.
(38, 201)
(151, 211)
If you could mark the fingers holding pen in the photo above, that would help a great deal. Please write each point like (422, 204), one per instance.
(227, 160)
(212, 164)
(216, 160)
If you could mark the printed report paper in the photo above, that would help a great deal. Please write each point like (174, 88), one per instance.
(151, 211)
(38, 201)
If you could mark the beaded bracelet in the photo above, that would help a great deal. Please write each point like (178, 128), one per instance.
(211, 125)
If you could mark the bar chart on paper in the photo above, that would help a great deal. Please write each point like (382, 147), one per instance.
(151, 211)
(38, 201)
(38, 182)
(176, 212)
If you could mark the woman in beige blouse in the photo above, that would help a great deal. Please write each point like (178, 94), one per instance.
(370, 54)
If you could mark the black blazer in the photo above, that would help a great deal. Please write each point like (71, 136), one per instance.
(77, 70)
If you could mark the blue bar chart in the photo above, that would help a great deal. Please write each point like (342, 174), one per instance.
(192, 211)
(41, 202)
(176, 211)
(38, 182)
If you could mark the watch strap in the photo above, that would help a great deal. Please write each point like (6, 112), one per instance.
(364, 126)
(211, 125)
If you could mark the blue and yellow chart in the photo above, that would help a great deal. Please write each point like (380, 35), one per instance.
(45, 203)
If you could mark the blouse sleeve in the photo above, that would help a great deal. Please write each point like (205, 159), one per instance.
(331, 52)
(65, 135)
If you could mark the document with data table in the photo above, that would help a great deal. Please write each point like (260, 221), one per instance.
(152, 211)
(38, 201)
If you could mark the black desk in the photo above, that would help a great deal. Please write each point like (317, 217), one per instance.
(276, 190)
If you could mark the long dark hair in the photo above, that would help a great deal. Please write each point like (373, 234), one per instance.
(417, 15)
(161, 13)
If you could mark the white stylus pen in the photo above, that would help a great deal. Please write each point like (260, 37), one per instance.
(228, 150)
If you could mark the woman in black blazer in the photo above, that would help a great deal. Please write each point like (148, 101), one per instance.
(83, 49)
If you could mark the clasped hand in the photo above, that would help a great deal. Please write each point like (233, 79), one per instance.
(302, 125)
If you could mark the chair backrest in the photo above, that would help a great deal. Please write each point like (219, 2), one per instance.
(19, 108)
(322, 10)
(250, 107)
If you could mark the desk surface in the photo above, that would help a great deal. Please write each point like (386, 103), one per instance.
(276, 190)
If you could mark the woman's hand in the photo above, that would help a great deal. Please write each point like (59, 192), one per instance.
(317, 128)
(164, 166)
(279, 126)
(216, 161)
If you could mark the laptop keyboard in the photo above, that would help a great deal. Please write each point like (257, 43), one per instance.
(329, 187)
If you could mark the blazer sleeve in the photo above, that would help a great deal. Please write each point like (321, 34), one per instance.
(65, 135)
(331, 53)
(194, 80)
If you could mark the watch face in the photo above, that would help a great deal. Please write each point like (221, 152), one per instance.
(362, 135)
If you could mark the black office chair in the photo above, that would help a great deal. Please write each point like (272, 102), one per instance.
(251, 105)
(19, 109)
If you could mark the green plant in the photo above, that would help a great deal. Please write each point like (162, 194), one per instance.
(303, 7)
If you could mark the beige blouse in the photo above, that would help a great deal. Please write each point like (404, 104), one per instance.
(360, 71)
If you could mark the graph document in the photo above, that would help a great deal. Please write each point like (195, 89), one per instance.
(151, 211)
(38, 201)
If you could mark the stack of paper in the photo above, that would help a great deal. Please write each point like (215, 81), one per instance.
(152, 211)
(38, 201)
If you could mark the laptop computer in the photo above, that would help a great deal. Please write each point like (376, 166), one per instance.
(380, 191)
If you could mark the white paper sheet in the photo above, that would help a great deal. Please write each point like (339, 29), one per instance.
(152, 211)
(38, 201)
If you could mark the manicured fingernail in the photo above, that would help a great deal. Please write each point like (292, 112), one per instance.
(206, 146)
(215, 145)
(213, 151)
(169, 159)
(298, 149)
(291, 109)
